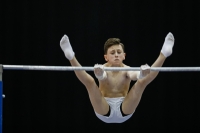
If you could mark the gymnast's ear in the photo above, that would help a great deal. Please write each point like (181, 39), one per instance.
(105, 57)
(124, 55)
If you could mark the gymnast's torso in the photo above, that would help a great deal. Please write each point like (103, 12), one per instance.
(116, 84)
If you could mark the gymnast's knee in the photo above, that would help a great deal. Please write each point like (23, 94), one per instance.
(142, 83)
(90, 84)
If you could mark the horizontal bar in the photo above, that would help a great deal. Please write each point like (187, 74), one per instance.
(72, 68)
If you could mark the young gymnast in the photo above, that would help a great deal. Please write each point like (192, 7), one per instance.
(111, 100)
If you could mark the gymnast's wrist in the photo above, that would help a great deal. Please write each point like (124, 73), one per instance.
(103, 76)
(139, 75)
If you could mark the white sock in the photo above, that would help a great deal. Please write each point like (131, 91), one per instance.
(66, 47)
(168, 45)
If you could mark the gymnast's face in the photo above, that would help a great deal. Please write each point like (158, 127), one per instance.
(115, 55)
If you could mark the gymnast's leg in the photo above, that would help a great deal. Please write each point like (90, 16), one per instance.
(98, 101)
(132, 99)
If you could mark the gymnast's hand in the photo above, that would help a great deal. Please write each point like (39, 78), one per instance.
(99, 71)
(144, 71)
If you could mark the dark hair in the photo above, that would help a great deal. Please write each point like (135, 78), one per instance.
(110, 42)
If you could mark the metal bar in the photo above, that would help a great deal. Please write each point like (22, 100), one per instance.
(72, 68)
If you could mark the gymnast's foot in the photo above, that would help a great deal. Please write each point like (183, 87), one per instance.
(168, 45)
(66, 47)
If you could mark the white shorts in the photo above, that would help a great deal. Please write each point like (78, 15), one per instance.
(115, 113)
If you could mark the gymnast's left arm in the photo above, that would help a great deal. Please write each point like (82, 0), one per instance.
(132, 75)
(135, 75)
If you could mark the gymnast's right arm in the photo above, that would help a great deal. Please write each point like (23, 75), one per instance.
(84, 77)
(99, 72)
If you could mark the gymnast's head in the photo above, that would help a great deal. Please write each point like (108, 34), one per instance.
(114, 51)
